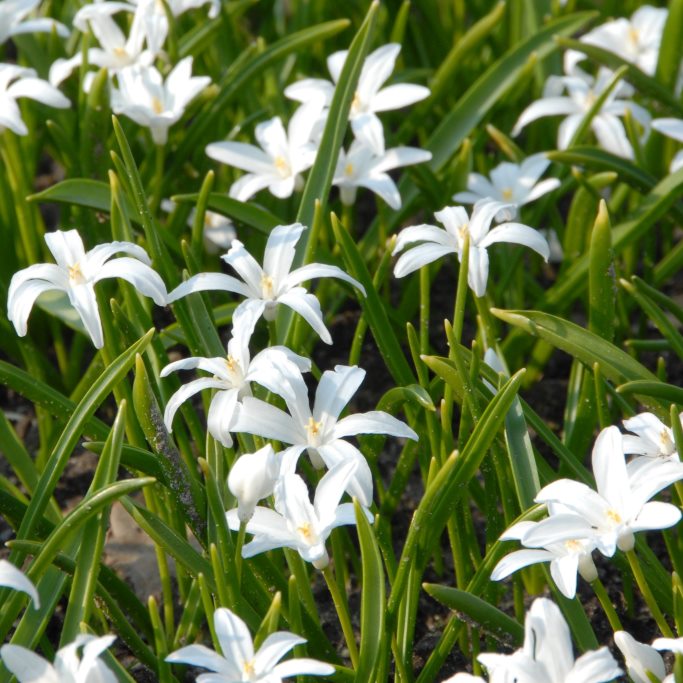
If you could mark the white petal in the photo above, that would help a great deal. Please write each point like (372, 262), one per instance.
(248, 185)
(656, 515)
(66, 246)
(146, 280)
(14, 578)
(240, 155)
(331, 488)
(27, 666)
(609, 468)
(308, 88)
(518, 559)
(262, 419)
(200, 655)
(83, 299)
(308, 307)
(367, 128)
(398, 96)
(611, 135)
(373, 422)
(273, 649)
(516, 233)
(359, 484)
(420, 256)
(185, 391)
(639, 658)
(478, 270)
(221, 416)
(233, 636)
(544, 187)
(376, 69)
(21, 300)
(303, 665)
(594, 667)
(567, 130)
(547, 106)
(280, 251)
(672, 128)
(426, 233)
(563, 570)
(383, 186)
(397, 157)
(39, 90)
(208, 282)
(247, 268)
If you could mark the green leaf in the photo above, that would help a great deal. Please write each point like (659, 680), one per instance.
(248, 213)
(489, 618)
(601, 285)
(374, 309)
(91, 194)
(373, 638)
(671, 47)
(655, 389)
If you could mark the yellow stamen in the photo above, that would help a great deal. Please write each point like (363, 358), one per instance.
(355, 103)
(230, 362)
(633, 35)
(507, 194)
(267, 286)
(573, 546)
(248, 668)
(157, 105)
(282, 166)
(120, 52)
(306, 531)
(76, 274)
(348, 170)
(614, 516)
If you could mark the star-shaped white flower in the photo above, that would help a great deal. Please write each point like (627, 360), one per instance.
(274, 283)
(16, 82)
(116, 51)
(68, 667)
(652, 437)
(635, 40)
(515, 184)
(547, 655)
(12, 577)
(297, 524)
(370, 98)
(567, 557)
(239, 663)
(150, 101)
(232, 374)
(320, 431)
(279, 160)
(361, 167)
(620, 506)
(582, 92)
(437, 242)
(13, 20)
(76, 273)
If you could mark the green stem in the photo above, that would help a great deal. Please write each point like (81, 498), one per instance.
(159, 159)
(425, 287)
(461, 293)
(647, 594)
(343, 614)
(238, 552)
(607, 606)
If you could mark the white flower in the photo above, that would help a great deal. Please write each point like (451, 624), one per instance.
(361, 167)
(370, 98)
(252, 478)
(273, 283)
(13, 20)
(231, 375)
(620, 506)
(12, 577)
(653, 438)
(639, 658)
(635, 40)
(239, 663)
(16, 82)
(672, 128)
(297, 524)
(438, 242)
(566, 556)
(150, 101)
(116, 51)
(68, 666)
(515, 184)
(280, 158)
(219, 230)
(547, 655)
(582, 92)
(76, 273)
(320, 431)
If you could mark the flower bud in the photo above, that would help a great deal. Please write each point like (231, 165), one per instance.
(252, 478)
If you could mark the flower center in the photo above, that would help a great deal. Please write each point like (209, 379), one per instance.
(667, 445)
(120, 52)
(614, 516)
(633, 35)
(463, 231)
(76, 274)
(306, 530)
(267, 289)
(157, 105)
(573, 546)
(282, 166)
(356, 103)
(507, 194)
(348, 169)
(313, 428)
(249, 669)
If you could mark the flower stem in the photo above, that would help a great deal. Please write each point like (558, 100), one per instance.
(461, 293)
(647, 594)
(342, 613)
(607, 606)
(238, 552)
(159, 160)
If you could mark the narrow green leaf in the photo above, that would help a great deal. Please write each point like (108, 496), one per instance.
(487, 616)
(601, 284)
(671, 47)
(373, 638)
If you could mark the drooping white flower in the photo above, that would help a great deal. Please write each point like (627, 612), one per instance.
(239, 663)
(69, 666)
(232, 375)
(672, 128)
(362, 167)
(13, 20)
(252, 478)
(12, 577)
(567, 557)
(273, 283)
(76, 273)
(582, 92)
(620, 505)
(320, 431)
(150, 101)
(116, 51)
(437, 242)
(370, 98)
(635, 40)
(547, 655)
(16, 82)
(515, 184)
(652, 437)
(279, 160)
(639, 658)
(297, 524)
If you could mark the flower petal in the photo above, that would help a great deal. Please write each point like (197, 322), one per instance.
(273, 649)
(233, 636)
(13, 577)
(146, 280)
(209, 282)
